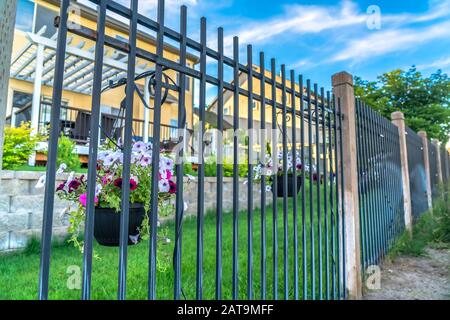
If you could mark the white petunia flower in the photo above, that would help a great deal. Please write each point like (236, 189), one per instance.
(102, 155)
(166, 163)
(62, 168)
(140, 147)
(109, 160)
(41, 182)
(134, 239)
(164, 186)
(98, 189)
(146, 161)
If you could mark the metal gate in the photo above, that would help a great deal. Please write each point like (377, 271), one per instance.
(311, 259)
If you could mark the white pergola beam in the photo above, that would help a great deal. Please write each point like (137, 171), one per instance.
(37, 88)
(87, 81)
(48, 58)
(79, 52)
(24, 64)
(106, 74)
(27, 47)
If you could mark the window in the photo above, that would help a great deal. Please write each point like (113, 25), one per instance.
(45, 17)
(226, 111)
(173, 130)
(24, 16)
(21, 99)
(255, 105)
(121, 38)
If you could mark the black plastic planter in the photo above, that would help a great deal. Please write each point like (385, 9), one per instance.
(107, 225)
(280, 191)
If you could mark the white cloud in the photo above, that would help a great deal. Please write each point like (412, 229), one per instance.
(383, 42)
(299, 19)
(344, 22)
(437, 64)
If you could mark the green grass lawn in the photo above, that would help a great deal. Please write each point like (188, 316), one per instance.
(19, 271)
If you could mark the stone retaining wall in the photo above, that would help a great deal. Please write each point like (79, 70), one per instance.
(21, 205)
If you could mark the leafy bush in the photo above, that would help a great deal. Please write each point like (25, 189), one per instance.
(211, 170)
(67, 154)
(441, 214)
(431, 228)
(187, 170)
(19, 144)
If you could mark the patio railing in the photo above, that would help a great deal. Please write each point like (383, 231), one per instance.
(75, 123)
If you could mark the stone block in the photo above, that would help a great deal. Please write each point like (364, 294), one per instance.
(20, 204)
(13, 222)
(5, 203)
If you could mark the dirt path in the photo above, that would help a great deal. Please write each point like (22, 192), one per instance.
(415, 278)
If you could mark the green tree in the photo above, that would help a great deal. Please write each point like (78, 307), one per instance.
(424, 101)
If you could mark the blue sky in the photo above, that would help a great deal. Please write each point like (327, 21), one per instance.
(320, 37)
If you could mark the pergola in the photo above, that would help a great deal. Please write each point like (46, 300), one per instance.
(36, 63)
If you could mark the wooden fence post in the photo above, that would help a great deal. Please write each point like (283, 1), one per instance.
(343, 90)
(426, 157)
(398, 119)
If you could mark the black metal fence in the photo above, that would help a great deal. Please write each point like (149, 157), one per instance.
(417, 173)
(445, 164)
(380, 184)
(434, 175)
(307, 258)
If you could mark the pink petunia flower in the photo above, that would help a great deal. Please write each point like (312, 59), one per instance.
(165, 175)
(83, 199)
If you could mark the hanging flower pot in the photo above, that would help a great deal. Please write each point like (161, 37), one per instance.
(290, 191)
(107, 225)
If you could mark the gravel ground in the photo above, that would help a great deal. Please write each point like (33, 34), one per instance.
(415, 278)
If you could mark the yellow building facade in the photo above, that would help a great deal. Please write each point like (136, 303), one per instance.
(256, 114)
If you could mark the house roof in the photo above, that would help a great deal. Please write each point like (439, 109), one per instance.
(111, 22)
